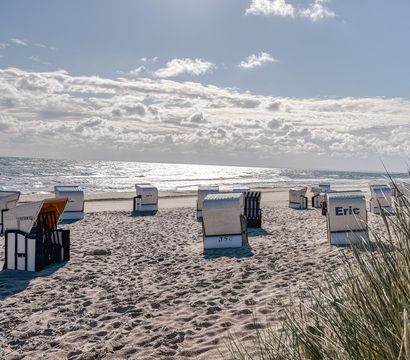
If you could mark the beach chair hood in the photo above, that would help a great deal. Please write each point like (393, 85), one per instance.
(24, 217)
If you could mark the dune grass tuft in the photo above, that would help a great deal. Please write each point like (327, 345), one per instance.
(358, 312)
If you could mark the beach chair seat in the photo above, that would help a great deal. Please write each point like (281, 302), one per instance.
(8, 200)
(32, 237)
(224, 224)
(252, 210)
(346, 218)
(75, 206)
(297, 198)
(146, 199)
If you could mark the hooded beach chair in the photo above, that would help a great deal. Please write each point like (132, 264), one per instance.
(224, 224)
(381, 199)
(319, 194)
(203, 191)
(252, 210)
(241, 189)
(32, 237)
(8, 200)
(146, 199)
(297, 198)
(75, 206)
(346, 218)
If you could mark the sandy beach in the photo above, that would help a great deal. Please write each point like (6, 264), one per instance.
(143, 288)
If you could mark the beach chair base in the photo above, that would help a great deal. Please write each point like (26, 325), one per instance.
(72, 215)
(34, 252)
(348, 237)
(143, 208)
(227, 241)
(302, 205)
(199, 215)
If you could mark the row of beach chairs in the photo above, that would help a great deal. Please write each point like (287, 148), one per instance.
(33, 239)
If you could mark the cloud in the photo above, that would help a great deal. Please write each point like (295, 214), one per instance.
(3, 45)
(178, 67)
(165, 120)
(149, 60)
(318, 11)
(257, 60)
(38, 60)
(18, 41)
(140, 71)
(270, 7)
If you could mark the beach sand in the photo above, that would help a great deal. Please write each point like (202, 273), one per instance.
(142, 287)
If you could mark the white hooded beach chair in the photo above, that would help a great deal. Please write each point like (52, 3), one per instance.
(224, 224)
(32, 237)
(297, 198)
(8, 200)
(381, 200)
(146, 199)
(203, 191)
(241, 189)
(319, 194)
(75, 206)
(346, 218)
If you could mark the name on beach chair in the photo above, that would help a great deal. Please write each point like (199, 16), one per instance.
(341, 211)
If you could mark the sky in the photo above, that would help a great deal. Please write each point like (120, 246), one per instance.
(288, 83)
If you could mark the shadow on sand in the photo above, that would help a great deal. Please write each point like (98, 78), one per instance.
(142, 214)
(242, 252)
(252, 232)
(15, 281)
(69, 222)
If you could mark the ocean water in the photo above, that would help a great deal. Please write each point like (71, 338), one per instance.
(41, 175)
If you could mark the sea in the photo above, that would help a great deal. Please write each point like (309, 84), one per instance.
(31, 175)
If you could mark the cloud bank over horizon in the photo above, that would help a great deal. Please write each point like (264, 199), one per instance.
(59, 115)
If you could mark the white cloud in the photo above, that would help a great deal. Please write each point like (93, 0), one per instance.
(149, 60)
(318, 11)
(271, 7)
(140, 71)
(164, 120)
(18, 41)
(3, 45)
(257, 60)
(178, 67)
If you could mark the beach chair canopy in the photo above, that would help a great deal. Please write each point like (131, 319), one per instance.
(24, 217)
(222, 213)
(241, 189)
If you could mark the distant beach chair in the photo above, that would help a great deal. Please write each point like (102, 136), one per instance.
(297, 198)
(319, 194)
(241, 189)
(203, 191)
(224, 224)
(400, 194)
(252, 210)
(32, 238)
(381, 199)
(146, 199)
(75, 206)
(346, 218)
(8, 200)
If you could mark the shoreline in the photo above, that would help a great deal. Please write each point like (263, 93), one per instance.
(122, 201)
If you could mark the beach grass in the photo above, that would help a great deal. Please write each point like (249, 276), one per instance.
(360, 311)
